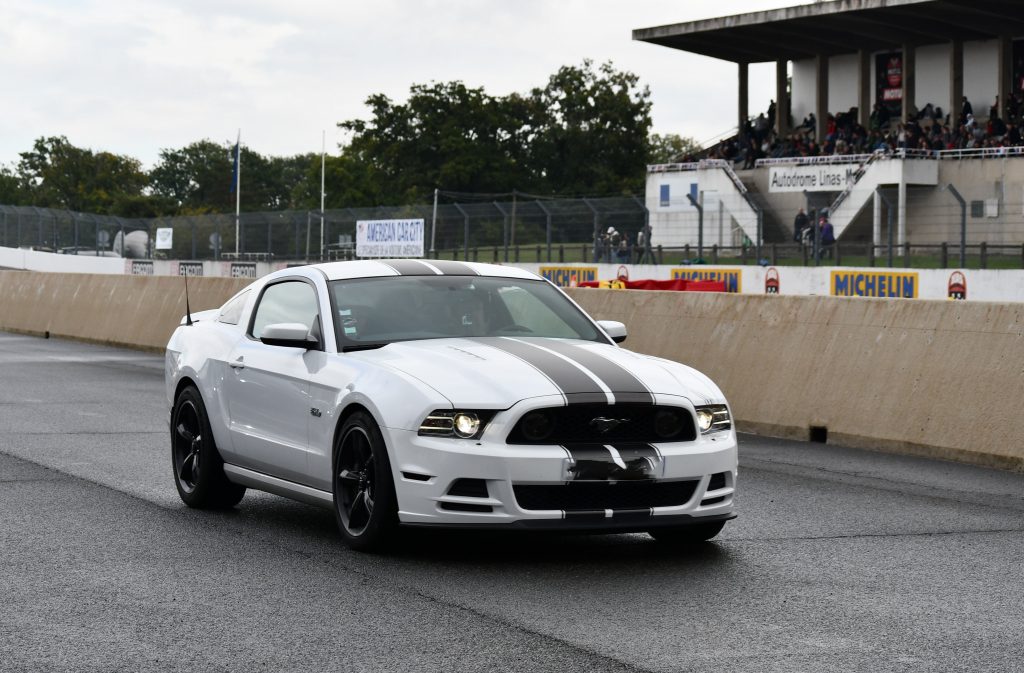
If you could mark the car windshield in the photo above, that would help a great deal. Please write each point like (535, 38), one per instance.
(402, 308)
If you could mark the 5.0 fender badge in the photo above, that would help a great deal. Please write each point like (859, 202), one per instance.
(315, 412)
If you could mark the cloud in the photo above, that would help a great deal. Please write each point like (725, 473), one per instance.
(135, 77)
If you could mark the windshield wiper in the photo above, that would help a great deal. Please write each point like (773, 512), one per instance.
(363, 347)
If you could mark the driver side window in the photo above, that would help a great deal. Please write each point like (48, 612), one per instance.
(291, 301)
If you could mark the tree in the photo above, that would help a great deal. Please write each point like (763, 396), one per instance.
(671, 148)
(593, 134)
(10, 188)
(195, 178)
(56, 174)
(446, 134)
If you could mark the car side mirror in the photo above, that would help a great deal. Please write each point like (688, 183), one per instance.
(289, 335)
(614, 329)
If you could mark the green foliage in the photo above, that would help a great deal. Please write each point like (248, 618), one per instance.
(584, 132)
(56, 174)
(671, 148)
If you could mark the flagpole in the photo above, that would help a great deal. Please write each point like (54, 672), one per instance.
(238, 190)
(323, 163)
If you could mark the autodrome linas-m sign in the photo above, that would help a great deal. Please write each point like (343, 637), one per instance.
(810, 178)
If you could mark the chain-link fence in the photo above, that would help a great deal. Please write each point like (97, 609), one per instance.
(514, 228)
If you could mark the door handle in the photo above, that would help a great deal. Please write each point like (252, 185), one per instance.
(237, 364)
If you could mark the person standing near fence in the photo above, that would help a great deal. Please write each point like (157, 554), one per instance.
(800, 222)
(828, 237)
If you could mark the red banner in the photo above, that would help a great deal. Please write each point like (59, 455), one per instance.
(679, 285)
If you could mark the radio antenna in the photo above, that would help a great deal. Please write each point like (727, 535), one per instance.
(188, 311)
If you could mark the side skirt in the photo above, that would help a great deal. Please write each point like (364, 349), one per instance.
(288, 489)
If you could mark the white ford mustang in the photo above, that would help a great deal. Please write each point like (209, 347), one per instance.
(434, 393)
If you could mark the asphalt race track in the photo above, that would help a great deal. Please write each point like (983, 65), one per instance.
(841, 560)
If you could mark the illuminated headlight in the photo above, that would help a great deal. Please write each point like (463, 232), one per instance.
(462, 424)
(713, 418)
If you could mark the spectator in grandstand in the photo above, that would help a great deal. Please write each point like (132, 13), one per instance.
(965, 110)
(800, 223)
(611, 244)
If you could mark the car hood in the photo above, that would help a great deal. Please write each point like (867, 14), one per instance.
(497, 372)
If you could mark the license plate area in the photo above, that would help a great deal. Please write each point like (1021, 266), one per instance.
(634, 461)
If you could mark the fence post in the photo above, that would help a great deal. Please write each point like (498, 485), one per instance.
(583, 254)
(561, 253)
(465, 230)
(743, 254)
(661, 258)
(871, 254)
(517, 253)
(495, 254)
(803, 252)
(984, 255)
(714, 253)
(774, 254)
(944, 256)
(906, 254)
(538, 254)
(547, 228)
(504, 226)
(686, 251)
(1022, 256)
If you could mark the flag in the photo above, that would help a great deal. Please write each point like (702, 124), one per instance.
(236, 155)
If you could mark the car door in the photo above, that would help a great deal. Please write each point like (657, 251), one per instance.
(268, 389)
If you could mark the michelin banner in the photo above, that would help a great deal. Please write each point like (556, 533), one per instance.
(389, 238)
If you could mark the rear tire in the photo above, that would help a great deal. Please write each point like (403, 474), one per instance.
(687, 535)
(365, 504)
(197, 465)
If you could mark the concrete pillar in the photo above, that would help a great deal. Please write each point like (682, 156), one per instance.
(1005, 73)
(956, 81)
(864, 87)
(782, 98)
(743, 112)
(876, 230)
(901, 207)
(821, 97)
(909, 78)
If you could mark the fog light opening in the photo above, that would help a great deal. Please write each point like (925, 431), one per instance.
(819, 434)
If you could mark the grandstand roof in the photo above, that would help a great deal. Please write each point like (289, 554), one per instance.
(840, 27)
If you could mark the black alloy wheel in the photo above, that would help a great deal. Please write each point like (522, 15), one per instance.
(188, 444)
(356, 479)
(198, 468)
(364, 492)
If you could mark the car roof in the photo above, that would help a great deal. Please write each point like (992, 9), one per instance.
(417, 267)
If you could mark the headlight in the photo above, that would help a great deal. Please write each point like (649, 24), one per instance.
(713, 418)
(462, 424)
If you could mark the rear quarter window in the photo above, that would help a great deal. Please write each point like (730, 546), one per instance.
(231, 312)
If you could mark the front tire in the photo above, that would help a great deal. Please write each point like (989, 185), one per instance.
(198, 467)
(365, 504)
(687, 535)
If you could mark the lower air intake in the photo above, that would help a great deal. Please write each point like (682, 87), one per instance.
(588, 496)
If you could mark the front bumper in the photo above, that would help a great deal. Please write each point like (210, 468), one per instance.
(426, 468)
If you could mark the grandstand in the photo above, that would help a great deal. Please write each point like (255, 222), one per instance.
(880, 107)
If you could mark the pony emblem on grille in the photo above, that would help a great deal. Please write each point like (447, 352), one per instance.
(606, 425)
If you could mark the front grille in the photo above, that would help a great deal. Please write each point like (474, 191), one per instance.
(604, 424)
(588, 496)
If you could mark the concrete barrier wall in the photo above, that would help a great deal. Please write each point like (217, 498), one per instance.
(939, 378)
(134, 311)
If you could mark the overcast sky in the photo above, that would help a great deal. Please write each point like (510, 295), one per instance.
(136, 76)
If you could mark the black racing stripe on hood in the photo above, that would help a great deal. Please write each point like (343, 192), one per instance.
(450, 268)
(626, 387)
(577, 387)
(410, 267)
